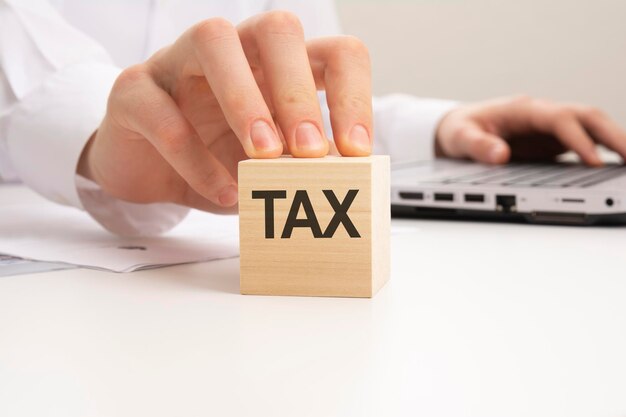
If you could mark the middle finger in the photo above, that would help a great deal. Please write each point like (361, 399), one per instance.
(276, 39)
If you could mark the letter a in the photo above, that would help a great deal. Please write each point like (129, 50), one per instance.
(301, 199)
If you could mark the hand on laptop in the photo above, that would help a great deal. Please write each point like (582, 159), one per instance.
(177, 125)
(525, 128)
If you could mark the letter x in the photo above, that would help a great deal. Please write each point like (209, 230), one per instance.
(341, 213)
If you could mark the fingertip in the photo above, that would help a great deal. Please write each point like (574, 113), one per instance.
(499, 154)
(350, 150)
(593, 160)
(308, 142)
(357, 143)
(265, 154)
(356, 152)
(311, 153)
(265, 141)
(228, 196)
(360, 140)
(589, 156)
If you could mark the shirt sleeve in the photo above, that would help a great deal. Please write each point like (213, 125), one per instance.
(53, 93)
(405, 126)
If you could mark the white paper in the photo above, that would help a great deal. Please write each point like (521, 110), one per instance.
(52, 233)
(10, 265)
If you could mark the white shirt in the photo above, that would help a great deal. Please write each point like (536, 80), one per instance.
(59, 59)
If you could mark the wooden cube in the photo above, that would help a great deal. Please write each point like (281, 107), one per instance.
(314, 227)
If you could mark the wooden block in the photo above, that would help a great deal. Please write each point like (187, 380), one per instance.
(314, 227)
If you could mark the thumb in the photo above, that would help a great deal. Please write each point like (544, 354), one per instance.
(476, 143)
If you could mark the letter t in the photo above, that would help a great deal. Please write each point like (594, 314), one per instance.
(269, 196)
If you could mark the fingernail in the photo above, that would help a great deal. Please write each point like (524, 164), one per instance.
(308, 137)
(595, 159)
(496, 153)
(360, 138)
(228, 197)
(263, 136)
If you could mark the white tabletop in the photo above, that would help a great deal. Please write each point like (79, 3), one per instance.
(479, 319)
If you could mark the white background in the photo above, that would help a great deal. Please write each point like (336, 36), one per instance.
(475, 49)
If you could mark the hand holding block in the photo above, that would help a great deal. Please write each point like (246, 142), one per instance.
(314, 227)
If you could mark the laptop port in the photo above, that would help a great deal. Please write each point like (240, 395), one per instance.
(506, 203)
(444, 197)
(411, 196)
(559, 218)
(474, 198)
(609, 202)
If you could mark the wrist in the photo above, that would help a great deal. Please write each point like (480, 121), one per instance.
(439, 133)
(84, 166)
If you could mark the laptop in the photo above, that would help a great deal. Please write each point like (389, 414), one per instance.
(558, 193)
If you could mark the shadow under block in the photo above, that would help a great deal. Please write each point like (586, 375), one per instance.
(314, 227)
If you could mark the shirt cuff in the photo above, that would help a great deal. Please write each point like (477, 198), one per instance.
(405, 126)
(124, 218)
(51, 125)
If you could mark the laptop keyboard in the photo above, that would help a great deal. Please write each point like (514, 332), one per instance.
(542, 176)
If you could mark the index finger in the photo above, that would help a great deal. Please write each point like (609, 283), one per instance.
(603, 129)
(150, 111)
(275, 42)
(212, 49)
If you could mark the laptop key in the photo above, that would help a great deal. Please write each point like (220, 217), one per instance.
(563, 176)
(536, 175)
(609, 174)
(497, 177)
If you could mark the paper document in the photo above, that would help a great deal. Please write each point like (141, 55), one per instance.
(10, 265)
(48, 232)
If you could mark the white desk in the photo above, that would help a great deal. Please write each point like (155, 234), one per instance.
(478, 320)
